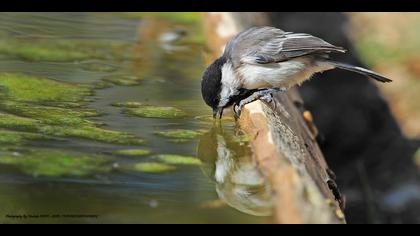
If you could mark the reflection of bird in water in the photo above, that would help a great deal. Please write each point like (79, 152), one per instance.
(229, 164)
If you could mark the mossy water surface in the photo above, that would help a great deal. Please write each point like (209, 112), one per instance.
(123, 80)
(153, 167)
(180, 135)
(27, 103)
(75, 173)
(18, 138)
(156, 112)
(140, 109)
(25, 88)
(178, 159)
(133, 152)
(60, 50)
(51, 162)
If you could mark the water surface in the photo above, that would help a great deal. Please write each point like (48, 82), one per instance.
(170, 73)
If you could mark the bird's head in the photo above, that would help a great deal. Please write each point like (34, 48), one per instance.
(211, 87)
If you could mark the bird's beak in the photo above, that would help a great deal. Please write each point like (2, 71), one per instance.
(216, 111)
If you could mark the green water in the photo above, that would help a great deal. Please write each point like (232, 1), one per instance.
(225, 188)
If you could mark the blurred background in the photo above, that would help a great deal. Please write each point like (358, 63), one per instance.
(101, 116)
(389, 43)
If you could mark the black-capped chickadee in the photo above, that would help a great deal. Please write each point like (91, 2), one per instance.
(263, 60)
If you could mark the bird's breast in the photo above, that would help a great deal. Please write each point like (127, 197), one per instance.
(282, 74)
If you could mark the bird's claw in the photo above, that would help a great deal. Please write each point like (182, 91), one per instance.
(237, 110)
(268, 98)
(264, 95)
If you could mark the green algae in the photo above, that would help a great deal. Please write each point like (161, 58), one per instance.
(181, 17)
(98, 67)
(62, 50)
(179, 134)
(101, 50)
(9, 121)
(178, 140)
(123, 80)
(24, 88)
(39, 52)
(11, 137)
(156, 112)
(48, 162)
(69, 105)
(17, 138)
(178, 159)
(63, 115)
(69, 124)
(92, 133)
(152, 167)
(83, 131)
(101, 85)
(133, 152)
(48, 114)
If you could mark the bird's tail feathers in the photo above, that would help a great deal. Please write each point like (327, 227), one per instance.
(360, 70)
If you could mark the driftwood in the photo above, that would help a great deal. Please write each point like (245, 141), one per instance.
(283, 139)
(362, 142)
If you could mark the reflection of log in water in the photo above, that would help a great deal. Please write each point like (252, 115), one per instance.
(228, 162)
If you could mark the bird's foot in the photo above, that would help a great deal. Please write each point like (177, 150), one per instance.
(268, 98)
(237, 110)
(265, 94)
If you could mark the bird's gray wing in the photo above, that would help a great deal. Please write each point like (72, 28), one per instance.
(262, 45)
(248, 42)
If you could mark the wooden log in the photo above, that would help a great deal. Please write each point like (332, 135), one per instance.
(283, 140)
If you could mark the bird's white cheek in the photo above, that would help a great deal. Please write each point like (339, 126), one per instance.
(224, 95)
(223, 102)
(230, 84)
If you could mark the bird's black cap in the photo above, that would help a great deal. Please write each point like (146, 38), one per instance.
(211, 83)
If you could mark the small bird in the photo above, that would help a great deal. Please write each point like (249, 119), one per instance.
(262, 60)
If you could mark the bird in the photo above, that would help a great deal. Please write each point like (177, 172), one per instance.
(262, 60)
(229, 164)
